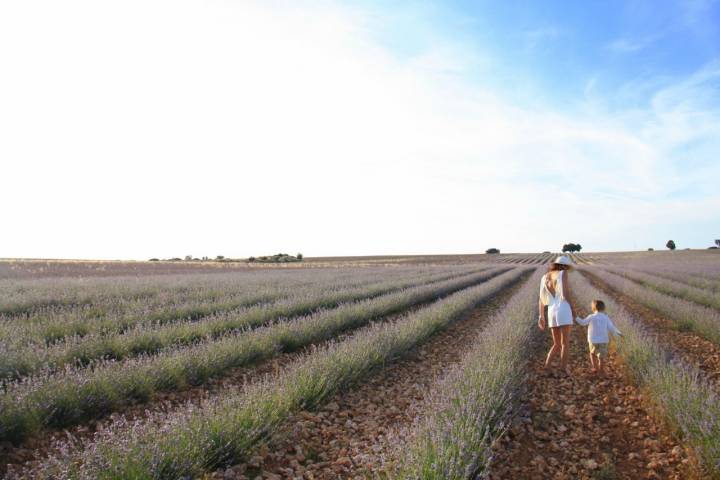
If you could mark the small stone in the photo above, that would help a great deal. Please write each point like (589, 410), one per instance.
(344, 461)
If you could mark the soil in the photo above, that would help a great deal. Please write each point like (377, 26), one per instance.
(353, 433)
(584, 426)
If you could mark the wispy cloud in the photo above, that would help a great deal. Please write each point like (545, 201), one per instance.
(534, 37)
(632, 45)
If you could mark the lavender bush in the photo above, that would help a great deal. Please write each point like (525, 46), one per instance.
(25, 359)
(190, 299)
(670, 287)
(59, 399)
(222, 433)
(691, 279)
(683, 314)
(467, 410)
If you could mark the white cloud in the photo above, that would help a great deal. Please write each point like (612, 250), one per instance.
(161, 128)
(628, 45)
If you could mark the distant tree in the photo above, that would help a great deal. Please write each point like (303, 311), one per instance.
(492, 251)
(713, 248)
(188, 258)
(220, 257)
(299, 256)
(251, 259)
(154, 259)
(176, 259)
(571, 247)
(651, 249)
(670, 245)
(717, 242)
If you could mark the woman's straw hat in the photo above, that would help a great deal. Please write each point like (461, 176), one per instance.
(563, 260)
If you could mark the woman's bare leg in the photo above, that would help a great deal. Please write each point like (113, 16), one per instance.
(556, 346)
(565, 348)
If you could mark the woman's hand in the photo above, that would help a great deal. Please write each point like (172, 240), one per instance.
(541, 323)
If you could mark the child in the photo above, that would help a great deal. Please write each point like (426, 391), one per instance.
(600, 325)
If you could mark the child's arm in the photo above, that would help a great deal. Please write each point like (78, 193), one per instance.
(583, 321)
(613, 328)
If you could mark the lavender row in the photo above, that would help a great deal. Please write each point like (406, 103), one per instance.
(78, 395)
(671, 287)
(683, 315)
(38, 301)
(27, 297)
(467, 411)
(691, 279)
(182, 304)
(685, 398)
(29, 359)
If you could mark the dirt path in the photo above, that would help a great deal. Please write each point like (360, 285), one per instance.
(349, 436)
(685, 345)
(583, 427)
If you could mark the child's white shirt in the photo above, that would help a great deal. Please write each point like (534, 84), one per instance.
(600, 325)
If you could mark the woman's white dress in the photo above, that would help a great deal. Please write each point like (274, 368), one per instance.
(559, 312)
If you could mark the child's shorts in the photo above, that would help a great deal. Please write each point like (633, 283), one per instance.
(599, 349)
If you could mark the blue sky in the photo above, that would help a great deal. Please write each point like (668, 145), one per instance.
(160, 128)
(563, 50)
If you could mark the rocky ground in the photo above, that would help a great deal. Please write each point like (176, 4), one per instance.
(350, 437)
(585, 427)
(686, 345)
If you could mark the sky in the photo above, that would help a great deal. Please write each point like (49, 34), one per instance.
(163, 128)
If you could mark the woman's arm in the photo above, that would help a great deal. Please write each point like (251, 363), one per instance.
(542, 322)
(567, 293)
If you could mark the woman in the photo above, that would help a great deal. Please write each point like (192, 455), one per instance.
(554, 294)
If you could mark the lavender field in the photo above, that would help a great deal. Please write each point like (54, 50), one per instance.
(391, 367)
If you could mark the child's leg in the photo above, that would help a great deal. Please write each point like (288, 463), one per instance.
(602, 356)
(592, 361)
(593, 357)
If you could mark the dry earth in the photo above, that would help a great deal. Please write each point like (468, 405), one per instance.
(586, 427)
